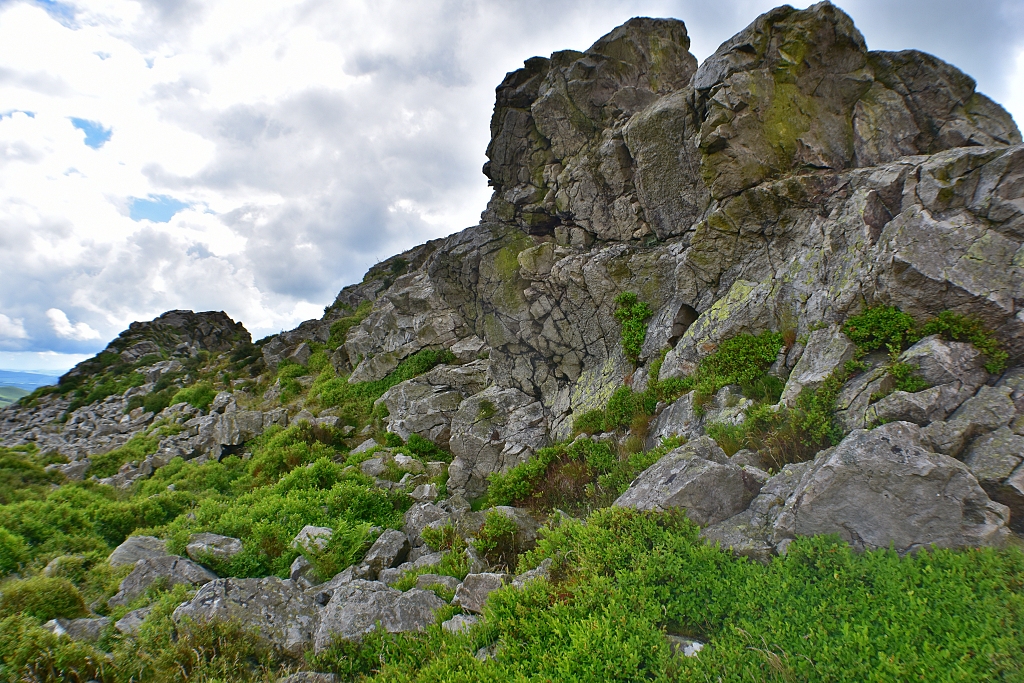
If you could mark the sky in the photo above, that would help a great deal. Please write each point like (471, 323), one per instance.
(255, 157)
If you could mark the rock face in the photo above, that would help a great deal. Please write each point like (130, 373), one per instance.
(356, 608)
(285, 616)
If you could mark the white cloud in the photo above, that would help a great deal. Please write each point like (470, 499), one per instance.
(63, 327)
(305, 139)
(12, 328)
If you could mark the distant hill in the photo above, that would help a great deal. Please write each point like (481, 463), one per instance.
(9, 395)
(25, 380)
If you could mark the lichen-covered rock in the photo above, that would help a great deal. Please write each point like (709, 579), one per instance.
(171, 570)
(312, 537)
(709, 491)
(131, 622)
(990, 409)
(205, 545)
(88, 630)
(357, 607)
(492, 432)
(827, 351)
(881, 487)
(284, 615)
(460, 623)
(682, 418)
(426, 404)
(135, 548)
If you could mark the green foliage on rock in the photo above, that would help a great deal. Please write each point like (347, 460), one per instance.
(199, 395)
(743, 360)
(632, 315)
(340, 327)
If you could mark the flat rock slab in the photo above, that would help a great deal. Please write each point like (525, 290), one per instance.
(357, 607)
(284, 614)
(137, 548)
(202, 546)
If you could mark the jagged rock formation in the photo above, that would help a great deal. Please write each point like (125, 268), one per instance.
(791, 180)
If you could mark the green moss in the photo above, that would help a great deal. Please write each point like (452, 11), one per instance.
(632, 315)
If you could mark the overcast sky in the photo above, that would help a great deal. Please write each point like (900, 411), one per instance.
(255, 157)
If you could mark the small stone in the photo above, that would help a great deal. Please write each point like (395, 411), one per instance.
(312, 537)
(426, 581)
(131, 622)
(473, 592)
(424, 493)
(460, 623)
(686, 647)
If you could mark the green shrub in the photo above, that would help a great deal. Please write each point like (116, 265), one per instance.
(107, 464)
(496, 539)
(28, 652)
(426, 449)
(13, 551)
(347, 544)
(22, 476)
(632, 315)
(41, 597)
(907, 378)
(199, 395)
(881, 326)
(743, 360)
(340, 328)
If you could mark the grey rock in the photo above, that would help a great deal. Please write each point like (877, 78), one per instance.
(171, 569)
(300, 571)
(542, 571)
(363, 447)
(687, 647)
(309, 677)
(469, 349)
(710, 491)
(920, 407)
(419, 516)
(683, 418)
(357, 607)
(135, 548)
(990, 409)
(995, 459)
(473, 592)
(389, 550)
(131, 622)
(881, 487)
(460, 623)
(88, 630)
(312, 537)
(424, 493)
(74, 471)
(425, 405)
(206, 545)
(827, 350)
(283, 613)
(941, 362)
(492, 432)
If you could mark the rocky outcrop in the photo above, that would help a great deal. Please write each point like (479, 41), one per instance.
(135, 548)
(357, 607)
(285, 616)
(170, 570)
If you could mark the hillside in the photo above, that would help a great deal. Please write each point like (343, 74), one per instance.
(9, 395)
(727, 384)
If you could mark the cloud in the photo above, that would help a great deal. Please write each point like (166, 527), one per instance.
(268, 153)
(12, 328)
(63, 327)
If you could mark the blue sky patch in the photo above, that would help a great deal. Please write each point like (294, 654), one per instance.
(158, 208)
(95, 134)
(12, 112)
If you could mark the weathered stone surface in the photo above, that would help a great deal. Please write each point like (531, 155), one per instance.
(990, 409)
(687, 647)
(283, 613)
(473, 592)
(827, 350)
(683, 418)
(941, 362)
(710, 491)
(206, 545)
(995, 459)
(920, 407)
(170, 569)
(425, 581)
(460, 623)
(389, 550)
(313, 537)
(357, 607)
(131, 622)
(88, 630)
(881, 487)
(135, 548)
(426, 404)
(492, 432)
(542, 571)
(309, 677)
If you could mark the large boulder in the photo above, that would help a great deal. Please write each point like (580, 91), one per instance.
(357, 607)
(170, 570)
(882, 487)
(492, 432)
(710, 490)
(284, 615)
(135, 548)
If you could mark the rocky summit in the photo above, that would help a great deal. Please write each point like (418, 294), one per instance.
(732, 342)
